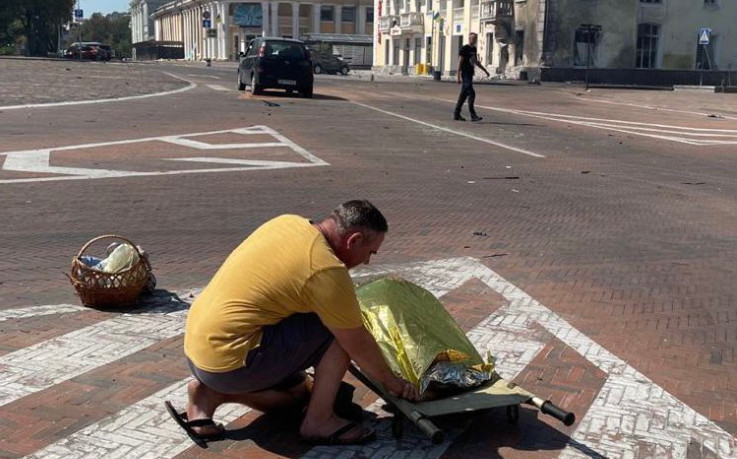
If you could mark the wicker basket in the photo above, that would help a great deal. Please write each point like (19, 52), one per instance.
(100, 289)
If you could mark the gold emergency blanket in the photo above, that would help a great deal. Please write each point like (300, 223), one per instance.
(416, 334)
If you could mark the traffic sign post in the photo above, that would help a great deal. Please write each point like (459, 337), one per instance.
(704, 41)
(207, 23)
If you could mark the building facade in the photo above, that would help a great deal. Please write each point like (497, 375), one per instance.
(142, 24)
(222, 29)
(518, 37)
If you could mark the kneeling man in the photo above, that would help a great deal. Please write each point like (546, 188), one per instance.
(282, 302)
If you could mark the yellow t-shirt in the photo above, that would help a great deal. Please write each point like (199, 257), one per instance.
(285, 267)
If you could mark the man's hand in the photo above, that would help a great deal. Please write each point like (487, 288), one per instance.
(402, 388)
(458, 78)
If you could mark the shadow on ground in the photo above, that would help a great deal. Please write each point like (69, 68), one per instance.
(489, 435)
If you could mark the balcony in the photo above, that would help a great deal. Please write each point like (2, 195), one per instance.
(386, 23)
(412, 22)
(496, 10)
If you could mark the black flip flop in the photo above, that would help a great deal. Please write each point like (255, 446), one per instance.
(199, 439)
(334, 439)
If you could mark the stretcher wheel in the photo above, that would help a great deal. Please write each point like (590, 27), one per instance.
(397, 426)
(513, 413)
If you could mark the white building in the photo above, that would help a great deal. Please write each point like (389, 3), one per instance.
(518, 37)
(233, 24)
(142, 25)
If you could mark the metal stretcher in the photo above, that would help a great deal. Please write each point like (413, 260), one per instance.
(501, 393)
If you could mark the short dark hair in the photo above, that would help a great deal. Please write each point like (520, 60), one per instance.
(361, 215)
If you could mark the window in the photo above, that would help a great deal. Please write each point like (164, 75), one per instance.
(584, 46)
(370, 14)
(519, 47)
(348, 14)
(327, 13)
(647, 46)
(418, 50)
(651, 1)
(710, 2)
(287, 49)
(429, 5)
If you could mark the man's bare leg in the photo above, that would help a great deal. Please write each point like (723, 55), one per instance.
(203, 401)
(320, 420)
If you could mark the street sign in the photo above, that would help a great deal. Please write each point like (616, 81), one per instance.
(205, 15)
(206, 23)
(212, 33)
(704, 36)
(78, 14)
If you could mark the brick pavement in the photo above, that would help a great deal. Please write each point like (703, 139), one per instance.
(630, 253)
(62, 81)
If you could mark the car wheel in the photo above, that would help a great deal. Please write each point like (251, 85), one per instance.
(307, 92)
(240, 84)
(255, 89)
(344, 70)
(318, 68)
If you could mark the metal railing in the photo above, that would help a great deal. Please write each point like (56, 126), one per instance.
(386, 22)
(495, 10)
(410, 20)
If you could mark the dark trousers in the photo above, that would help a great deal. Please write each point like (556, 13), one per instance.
(467, 92)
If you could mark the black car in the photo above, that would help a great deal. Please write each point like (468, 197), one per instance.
(329, 63)
(278, 63)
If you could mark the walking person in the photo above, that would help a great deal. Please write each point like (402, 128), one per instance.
(467, 60)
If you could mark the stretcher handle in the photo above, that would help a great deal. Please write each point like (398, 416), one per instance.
(548, 407)
(427, 427)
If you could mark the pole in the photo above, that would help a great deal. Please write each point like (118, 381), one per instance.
(181, 20)
(588, 56)
(79, 32)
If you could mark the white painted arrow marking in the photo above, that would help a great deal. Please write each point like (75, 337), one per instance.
(38, 161)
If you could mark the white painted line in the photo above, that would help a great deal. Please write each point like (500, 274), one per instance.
(217, 146)
(35, 311)
(453, 131)
(38, 367)
(102, 101)
(674, 423)
(203, 76)
(217, 87)
(245, 162)
(627, 127)
(654, 107)
(39, 161)
(613, 121)
(143, 430)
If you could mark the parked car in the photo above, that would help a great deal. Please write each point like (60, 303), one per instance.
(87, 50)
(109, 50)
(278, 63)
(329, 63)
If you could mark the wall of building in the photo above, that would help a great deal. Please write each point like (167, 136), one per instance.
(684, 19)
(182, 21)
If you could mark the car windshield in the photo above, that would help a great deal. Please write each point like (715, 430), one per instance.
(284, 49)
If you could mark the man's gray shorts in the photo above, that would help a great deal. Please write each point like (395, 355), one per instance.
(287, 349)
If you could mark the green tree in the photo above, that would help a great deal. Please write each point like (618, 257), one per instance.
(37, 20)
(112, 29)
